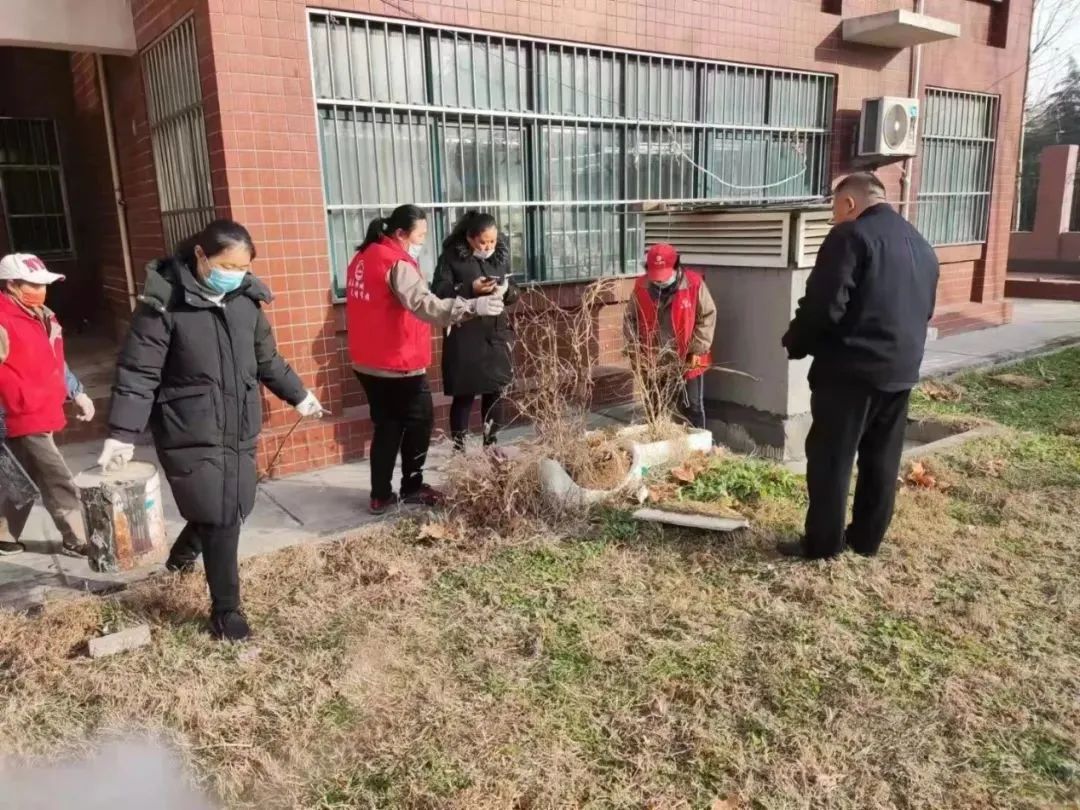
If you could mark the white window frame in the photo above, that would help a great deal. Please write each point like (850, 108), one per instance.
(954, 189)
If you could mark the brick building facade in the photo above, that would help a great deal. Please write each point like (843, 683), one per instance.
(259, 108)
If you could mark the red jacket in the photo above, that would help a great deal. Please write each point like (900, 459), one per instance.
(32, 388)
(684, 306)
(382, 333)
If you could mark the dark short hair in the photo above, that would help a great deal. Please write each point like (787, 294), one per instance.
(864, 184)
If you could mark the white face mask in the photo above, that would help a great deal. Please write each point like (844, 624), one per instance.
(415, 250)
(484, 254)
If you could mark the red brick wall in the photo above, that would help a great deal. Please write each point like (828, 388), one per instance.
(261, 123)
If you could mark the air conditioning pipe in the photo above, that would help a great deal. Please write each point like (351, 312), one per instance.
(913, 91)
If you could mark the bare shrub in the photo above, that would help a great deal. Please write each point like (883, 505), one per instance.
(556, 354)
(658, 374)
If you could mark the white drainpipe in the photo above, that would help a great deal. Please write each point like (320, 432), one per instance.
(118, 192)
(913, 91)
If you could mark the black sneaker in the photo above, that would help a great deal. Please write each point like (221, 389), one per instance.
(229, 625)
(793, 548)
(380, 506)
(425, 496)
(177, 565)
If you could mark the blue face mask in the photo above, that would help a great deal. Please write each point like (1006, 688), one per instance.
(224, 281)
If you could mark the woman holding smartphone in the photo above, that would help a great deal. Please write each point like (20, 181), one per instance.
(477, 355)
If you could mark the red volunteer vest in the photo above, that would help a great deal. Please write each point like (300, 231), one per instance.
(382, 333)
(683, 317)
(32, 389)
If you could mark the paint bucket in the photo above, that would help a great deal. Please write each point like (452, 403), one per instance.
(125, 520)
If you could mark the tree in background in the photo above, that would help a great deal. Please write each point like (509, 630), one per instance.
(1055, 120)
(1052, 119)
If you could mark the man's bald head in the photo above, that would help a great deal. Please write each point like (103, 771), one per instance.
(854, 194)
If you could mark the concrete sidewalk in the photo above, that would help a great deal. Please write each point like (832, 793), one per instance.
(292, 511)
(314, 506)
(1038, 327)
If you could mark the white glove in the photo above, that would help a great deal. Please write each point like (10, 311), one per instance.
(85, 406)
(310, 406)
(501, 290)
(115, 455)
(489, 306)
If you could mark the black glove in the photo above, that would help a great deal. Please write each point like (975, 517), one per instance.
(3, 424)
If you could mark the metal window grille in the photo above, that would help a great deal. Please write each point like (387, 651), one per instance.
(178, 133)
(565, 144)
(958, 136)
(32, 188)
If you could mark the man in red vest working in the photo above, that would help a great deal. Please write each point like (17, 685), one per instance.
(672, 307)
(34, 384)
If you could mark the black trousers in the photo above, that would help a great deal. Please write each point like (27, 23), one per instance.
(403, 415)
(218, 545)
(490, 413)
(851, 419)
(692, 404)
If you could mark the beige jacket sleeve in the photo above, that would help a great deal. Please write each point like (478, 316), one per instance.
(414, 294)
(5, 346)
(705, 326)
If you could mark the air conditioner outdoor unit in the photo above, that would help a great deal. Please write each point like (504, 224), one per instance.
(889, 127)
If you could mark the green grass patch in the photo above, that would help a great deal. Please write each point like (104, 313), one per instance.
(745, 481)
(1050, 405)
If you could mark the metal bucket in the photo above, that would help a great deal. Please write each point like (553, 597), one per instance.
(125, 520)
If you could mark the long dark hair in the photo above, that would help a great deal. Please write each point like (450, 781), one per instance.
(402, 218)
(218, 236)
(471, 224)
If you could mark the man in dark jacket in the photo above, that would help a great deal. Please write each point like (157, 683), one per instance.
(864, 320)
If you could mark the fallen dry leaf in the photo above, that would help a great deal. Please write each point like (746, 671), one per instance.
(942, 391)
(1021, 382)
(684, 475)
(435, 532)
(919, 476)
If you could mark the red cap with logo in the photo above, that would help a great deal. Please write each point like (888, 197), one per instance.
(660, 262)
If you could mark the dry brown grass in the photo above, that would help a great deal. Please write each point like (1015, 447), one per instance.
(614, 665)
(636, 668)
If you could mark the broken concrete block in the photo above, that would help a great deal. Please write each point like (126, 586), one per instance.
(707, 522)
(120, 642)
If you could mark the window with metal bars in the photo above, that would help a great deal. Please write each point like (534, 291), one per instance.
(565, 144)
(958, 137)
(178, 133)
(32, 188)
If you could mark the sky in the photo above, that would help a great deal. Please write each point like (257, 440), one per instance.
(1053, 62)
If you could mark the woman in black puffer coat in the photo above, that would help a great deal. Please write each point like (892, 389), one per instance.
(477, 354)
(199, 349)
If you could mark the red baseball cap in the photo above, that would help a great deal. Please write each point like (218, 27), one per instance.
(660, 261)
